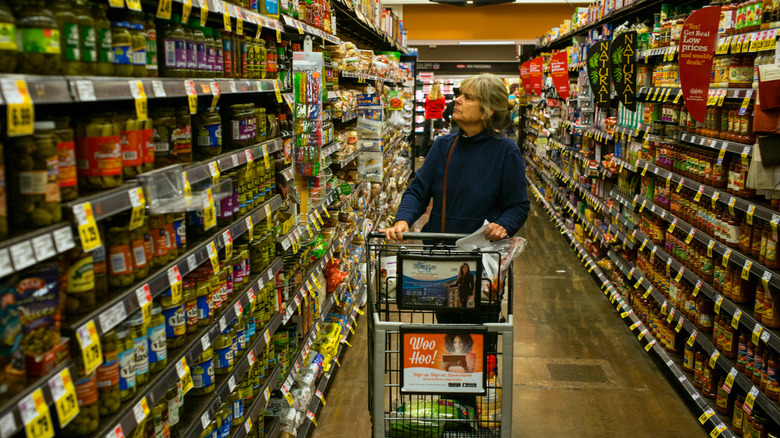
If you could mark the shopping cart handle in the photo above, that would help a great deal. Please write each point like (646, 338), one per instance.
(423, 236)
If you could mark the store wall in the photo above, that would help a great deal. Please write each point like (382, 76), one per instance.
(511, 21)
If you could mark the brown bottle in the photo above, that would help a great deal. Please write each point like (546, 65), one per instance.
(725, 401)
(750, 360)
(758, 364)
(772, 389)
(771, 249)
(763, 244)
(730, 341)
(698, 373)
(709, 381)
(771, 316)
(758, 306)
(739, 415)
(755, 239)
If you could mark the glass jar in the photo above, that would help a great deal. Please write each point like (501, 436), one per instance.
(104, 45)
(224, 421)
(203, 373)
(237, 401)
(138, 244)
(175, 399)
(70, 44)
(211, 53)
(138, 41)
(209, 133)
(66, 151)
(88, 419)
(146, 144)
(182, 137)
(203, 291)
(159, 243)
(162, 136)
(99, 152)
(199, 38)
(260, 125)
(127, 386)
(108, 374)
(122, 45)
(120, 267)
(138, 332)
(150, 37)
(226, 43)
(223, 349)
(8, 45)
(190, 306)
(39, 38)
(80, 288)
(158, 419)
(180, 231)
(158, 350)
(175, 324)
(32, 181)
(173, 47)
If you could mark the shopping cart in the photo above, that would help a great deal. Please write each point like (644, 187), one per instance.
(440, 360)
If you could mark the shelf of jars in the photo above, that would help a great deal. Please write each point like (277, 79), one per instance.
(304, 28)
(717, 144)
(364, 29)
(663, 94)
(271, 426)
(577, 154)
(751, 42)
(31, 247)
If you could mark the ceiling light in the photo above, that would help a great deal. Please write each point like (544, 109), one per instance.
(486, 43)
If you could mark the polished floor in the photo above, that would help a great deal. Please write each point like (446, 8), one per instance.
(578, 370)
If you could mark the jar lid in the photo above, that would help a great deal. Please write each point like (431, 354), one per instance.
(44, 124)
(156, 309)
(122, 330)
(136, 318)
(119, 24)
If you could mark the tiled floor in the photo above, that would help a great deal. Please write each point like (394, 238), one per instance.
(578, 370)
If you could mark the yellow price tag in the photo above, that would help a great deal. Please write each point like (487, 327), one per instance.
(750, 210)
(679, 325)
(278, 35)
(186, 9)
(209, 214)
(757, 334)
(88, 230)
(137, 90)
(310, 416)
(164, 9)
(21, 113)
(226, 17)
(672, 225)
(706, 415)
(726, 256)
(690, 235)
(692, 339)
(679, 274)
(185, 376)
(204, 12)
(735, 319)
(89, 342)
(648, 292)
(299, 27)
(715, 197)
(680, 185)
(211, 250)
(718, 302)
(697, 288)
(134, 5)
(277, 92)
(746, 269)
(715, 433)
(174, 280)
(116, 3)
(64, 395)
(699, 192)
(319, 217)
(138, 202)
(239, 26)
(228, 241)
(215, 93)
(677, 98)
(731, 204)
(35, 416)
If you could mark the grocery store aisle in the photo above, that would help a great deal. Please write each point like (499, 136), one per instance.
(578, 370)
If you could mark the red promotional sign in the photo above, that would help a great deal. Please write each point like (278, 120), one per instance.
(536, 75)
(525, 75)
(697, 48)
(559, 69)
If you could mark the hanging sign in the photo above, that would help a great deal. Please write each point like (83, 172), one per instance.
(525, 75)
(599, 66)
(559, 70)
(623, 54)
(698, 41)
(536, 75)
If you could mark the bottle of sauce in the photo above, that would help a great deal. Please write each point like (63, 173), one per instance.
(699, 364)
(724, 401)
(755, 240)
(734, 71)
(730, 339)
(709, 381)
(750, 361)
(742, 351)
(689, 358)
(760, 424)
(739, 414)
(758, 307)
(772, 389)
(771, 316)
(758, 364)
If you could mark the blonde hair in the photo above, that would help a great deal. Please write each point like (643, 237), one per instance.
(435, 93)
(493, 99)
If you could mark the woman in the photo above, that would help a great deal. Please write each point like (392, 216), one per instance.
(459, 345)
(465, 283)
(434, 108)
(481, 169)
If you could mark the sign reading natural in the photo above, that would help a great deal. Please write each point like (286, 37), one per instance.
(698, 42)
(623, 54)
(598, 72)
(559, 69)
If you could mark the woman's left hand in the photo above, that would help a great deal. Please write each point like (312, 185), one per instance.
(495, 232)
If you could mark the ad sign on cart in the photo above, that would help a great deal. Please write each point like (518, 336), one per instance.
(439, 283)
(443, 361)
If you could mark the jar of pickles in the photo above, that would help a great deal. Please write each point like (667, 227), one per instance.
(223, 349)
(175, 319)
(241, 125)
(130, 141)
(105, 52)
(87, 37)
(108, 375)
(119, 256)
(260, 125)
(158, 349)
(237, 401)
(138, 247)
(138, 333)
(66, 151)
(33, 181)
(80, 288)
(88, 419)
(164, 123)
(138, 42)
(182, 136)
(180, 231)
(203, 292)
(70, 44)
(203, 373)
(190, 306)
(99, 152)
(209, 129)
(224, 419)
(170, 237)
(39, 38)
(126, 357)
(122, 44)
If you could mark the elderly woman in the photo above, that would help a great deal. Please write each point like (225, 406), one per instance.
(474, 175)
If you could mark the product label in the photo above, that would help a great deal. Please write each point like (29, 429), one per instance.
(66, 155)
(88, 44)
(175, 321)
(99, 156)
(191, 311)
(126, 370)
(38, 40)
(146, 145)
(170, 236)
(238, 272)
(105, 46)
(141, 347)
(131, 148)
(8, 37)
(123, 54)
(71, 34)
(157, 347)
(86, 391)
(203, 307)
(224, 357)
(250, 327)
(238, 408)
(200, 57)
(241, 340)
(192, 55)
(139, 57)
(211, 57)
(108, 372)
(182, 140)
(210, 135)
(217, 65)
(271, 7)
(225, 207)
(139, 253)
(151, 49)
(224, 428)
(175, 54)
(81, 276)
(228, 57)
(242, 130)
(203, 374)
(180, 230)
(120, 261)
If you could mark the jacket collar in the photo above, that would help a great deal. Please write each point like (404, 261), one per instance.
(475, 139)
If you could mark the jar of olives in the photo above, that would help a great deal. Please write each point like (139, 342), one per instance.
(32, 180)
(209, 431)
(239, 127)
(146, 144)
(105, 52)
(70, 44)
(175, 320)
(122, 44)
(223, 350)
(138, 247)
(130, 141)
(80, 288)
(237, 400)
(119, 256)
(203, 373)
(99, 152)
(170, 237)
(164, 122)
(203, 291)
(8, 46)
(66, 151)
(241, 337)
(127, 386)
(209, 128)
(244, 251)
(159, 242)
(182, 136)
(158, 349)
(39, 38)
(237, 264)
(88, 419)
(175, 402)
(180, 231)
(108, 374)
(190, 306)
(224, 420)
(138, 333)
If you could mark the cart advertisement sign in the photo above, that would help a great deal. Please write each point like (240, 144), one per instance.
(439, 283)
(559, 70)
(443, 361)
(698, 41)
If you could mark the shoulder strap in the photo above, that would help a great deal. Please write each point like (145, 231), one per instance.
(444, 190)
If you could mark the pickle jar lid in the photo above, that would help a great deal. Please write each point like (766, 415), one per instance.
(136, 318)
(122, 331)
(156, 309)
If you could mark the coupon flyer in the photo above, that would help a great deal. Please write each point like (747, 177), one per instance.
(445, 361)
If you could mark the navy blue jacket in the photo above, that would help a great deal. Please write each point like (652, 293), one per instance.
(486, 180)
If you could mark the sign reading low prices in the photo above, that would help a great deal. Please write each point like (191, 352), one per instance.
(698, 42)
(536, 75)
(559, 70)
(443, 361)
(525, 75)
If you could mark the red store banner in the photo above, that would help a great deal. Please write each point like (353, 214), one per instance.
(536, 75)
(525, 75)
(698, 42)
(559, 69)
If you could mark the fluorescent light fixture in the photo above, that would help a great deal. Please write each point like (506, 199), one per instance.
(487, 43)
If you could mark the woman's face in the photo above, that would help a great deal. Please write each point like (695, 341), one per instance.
(464, 269)
(457, 344)
(467, 108)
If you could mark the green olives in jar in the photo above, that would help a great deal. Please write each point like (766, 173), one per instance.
(120, 260)
(163, 126)
(122, 44)
(223, 350)
(182, 136)
(127, 384)
(108, 375)
(190, 306)
(39, 36)
(99, 152)
(209, 133)
(203, 373)
(33, 183)
(80, 288)
(138, 248)
(87, 37)
(158, 349)
(141, 346)
(175, 322)
(8, 45)
(203, 292)
(88, 419)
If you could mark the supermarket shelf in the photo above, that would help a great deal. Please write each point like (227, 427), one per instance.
(286, 241)
(623, 164)
(344, 162)
(363, 30)
(627, 314)
(598, 135)
(31, 247)
(658, 51)
(717, 144)
(116, 309)
(305, 28)
(635, 132)
(197, 173)
(362, 77)
(258, 405)
(576, 153)
(159, 384)
(726, 42)
(346, 118)
(332, 148)
(663, 94)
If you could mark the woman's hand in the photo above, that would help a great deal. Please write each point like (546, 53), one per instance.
(495, 232)
(396, 231)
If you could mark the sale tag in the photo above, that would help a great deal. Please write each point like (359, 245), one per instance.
(650, 345)
(137, 90)
(680, 185)
(697, 288)
(690, 235)
(204, 12)
(715, 433)
(19, 107)
(226, 17)
(706, 415)
(726, 256)
(709, 248)
(714, 198)
(718, 302)
(185, 376)
(211, 250)
(735, 319)
(765, 279)
(672, 225)
(714, 358)
(644, 243)
(699, 192)
(35, 416)
(670, 317)
(64, 394)
(746, 269)
(677, 98)
(144, 296)
(89, 342)
(88, 230)
(209, 214)
(287, 395)
(138, 202)
(164, 9)
(750, 399)
(239, 22)
(141, 410)
(757, 333)
(692, 338)
(174, 280)
(227, 239)
(277, 92)
(679, 325)
(638, 283)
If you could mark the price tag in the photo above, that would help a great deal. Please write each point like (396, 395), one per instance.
(248, 425)
(690, 235)
(227, 239)
(642, 207)
(709, 248)
(277, 92)
(750, 399)
(239, 22)
(35, 415)
(692, 338)
(204, 16)
(679, 325)
(112, 317)
(174, 280)
(164, 9)
(185, 376)
(650, 345)
(718, 302)
(186, 8)
(642, 334)
(191, 262)
(64, 394)
(137, 90)
(631, 273)
(746, 269)
(644, 243)
(766, 278)
(209, 214)
(679, 274)
(215, 93)
(726, 256)
(141, 410)
(205, 341)
(88, 231)
(287, 395)
(680, 185)
(672, 225)
(310, 416)
(706, 415)
(638, 283)
(22, 255)
(697, 288)
(138, 202)
(735, 319)
(699, 192)
(144, 297)
(226, 17)
(267, 393)
(63, 239)
(677, 98)
(211, 250)
(89, 342)
(757, 333)
(21, 114)
(670, 317)
(718, 430)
